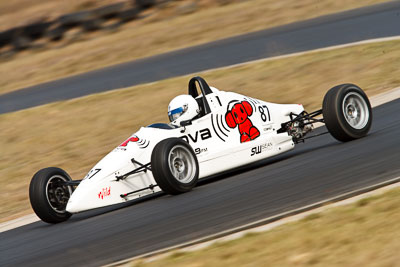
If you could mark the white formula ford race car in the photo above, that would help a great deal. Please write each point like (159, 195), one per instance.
(230, 130)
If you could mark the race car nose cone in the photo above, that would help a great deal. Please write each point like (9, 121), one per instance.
(73, 207)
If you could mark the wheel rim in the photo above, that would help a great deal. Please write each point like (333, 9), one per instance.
(355, 110)
(57, 193)
(182, 164)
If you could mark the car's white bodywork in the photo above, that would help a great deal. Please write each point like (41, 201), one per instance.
(218, 144)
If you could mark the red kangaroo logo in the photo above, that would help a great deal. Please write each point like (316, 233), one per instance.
(239, 116)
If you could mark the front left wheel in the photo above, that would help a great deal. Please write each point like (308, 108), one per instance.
(49, 194)
(174, 165)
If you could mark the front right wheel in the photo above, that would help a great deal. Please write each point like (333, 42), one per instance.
(174, 165)
(347, 112)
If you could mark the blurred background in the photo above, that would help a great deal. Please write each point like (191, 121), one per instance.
(29, 24)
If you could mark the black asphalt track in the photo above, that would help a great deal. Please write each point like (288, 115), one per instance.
(319, 169)
(381, 20)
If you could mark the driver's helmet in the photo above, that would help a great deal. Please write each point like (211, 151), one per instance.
(182, 108)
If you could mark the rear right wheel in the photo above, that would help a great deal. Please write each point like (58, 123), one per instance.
(347, 112)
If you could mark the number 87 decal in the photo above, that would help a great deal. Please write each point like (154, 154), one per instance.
(262, 110)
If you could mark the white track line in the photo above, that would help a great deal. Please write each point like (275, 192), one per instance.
(333, 47)
(21, 221)
(385, 97)
(375, 101)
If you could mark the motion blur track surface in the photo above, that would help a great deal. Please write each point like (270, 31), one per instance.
(317, 170)
(376, 21)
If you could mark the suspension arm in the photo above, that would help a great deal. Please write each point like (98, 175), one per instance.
(306, 116)
(141, 168)
(150, 187)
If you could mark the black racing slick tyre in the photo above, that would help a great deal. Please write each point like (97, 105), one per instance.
(347, 112)
(174, 165)
(49, 195)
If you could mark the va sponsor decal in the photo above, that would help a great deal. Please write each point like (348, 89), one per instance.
(203, 134)
(105, 192)
(261, 148)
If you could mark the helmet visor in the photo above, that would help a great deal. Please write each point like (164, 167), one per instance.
(175, 114)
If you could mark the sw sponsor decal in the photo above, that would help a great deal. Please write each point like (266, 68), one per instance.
(203, 134)
(105, 192)
(261, 148)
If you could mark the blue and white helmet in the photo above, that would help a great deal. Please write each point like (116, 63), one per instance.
(182, 108)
